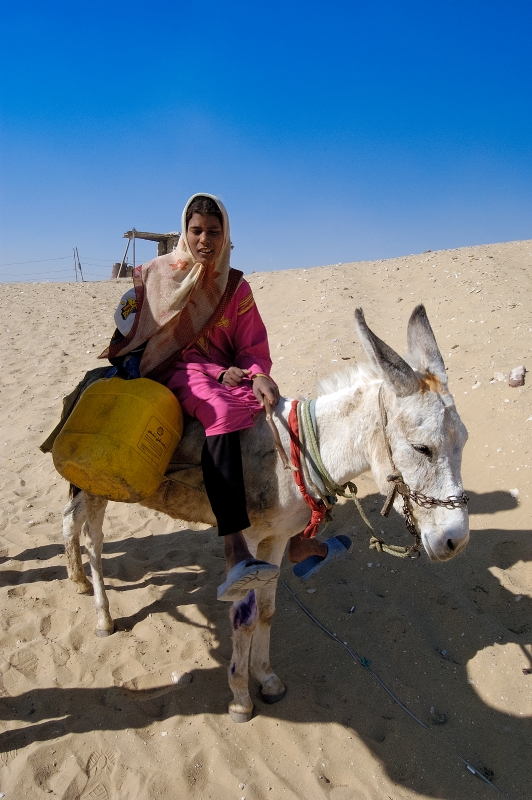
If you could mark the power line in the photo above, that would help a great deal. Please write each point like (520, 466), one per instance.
(37, 261)
(100, 269)
(48, 272)
(93, 264)
(45, 260)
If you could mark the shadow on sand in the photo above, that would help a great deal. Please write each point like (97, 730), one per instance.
(408, 621)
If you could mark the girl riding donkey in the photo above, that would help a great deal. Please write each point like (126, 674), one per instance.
(191, 323)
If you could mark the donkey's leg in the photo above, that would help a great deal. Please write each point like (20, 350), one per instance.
(272, 688)
(95, 510)
(73, 519)
(244, 617)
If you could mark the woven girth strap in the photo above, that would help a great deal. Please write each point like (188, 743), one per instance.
(318, 508)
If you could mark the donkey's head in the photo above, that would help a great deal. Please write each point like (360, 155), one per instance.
(425, 434)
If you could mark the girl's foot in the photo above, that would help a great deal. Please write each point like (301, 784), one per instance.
(336, 546)
(299, 549)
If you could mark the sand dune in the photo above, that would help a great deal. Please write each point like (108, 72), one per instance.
(101, 718)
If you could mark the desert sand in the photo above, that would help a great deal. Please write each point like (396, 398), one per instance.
(84, 718)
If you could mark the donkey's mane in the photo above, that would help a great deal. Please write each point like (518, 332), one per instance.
(347, 378)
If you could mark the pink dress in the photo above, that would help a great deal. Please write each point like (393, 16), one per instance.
(239, 339)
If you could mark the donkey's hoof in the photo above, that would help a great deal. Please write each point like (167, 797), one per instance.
(84, 587)
(272, 698)
(239, 714)
(272, 690)
(102, 632)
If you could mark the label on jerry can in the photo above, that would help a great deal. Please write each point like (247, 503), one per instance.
(156, 441)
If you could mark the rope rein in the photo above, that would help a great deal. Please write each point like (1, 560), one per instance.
(276, 438)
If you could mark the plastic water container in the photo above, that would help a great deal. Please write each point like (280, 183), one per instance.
(119, 439)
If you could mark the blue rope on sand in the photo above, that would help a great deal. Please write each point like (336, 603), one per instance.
(364, 662)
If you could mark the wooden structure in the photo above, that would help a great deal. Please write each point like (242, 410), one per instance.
(165, 243)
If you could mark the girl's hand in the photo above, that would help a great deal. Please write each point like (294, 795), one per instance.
(233, 376)
(264, 387)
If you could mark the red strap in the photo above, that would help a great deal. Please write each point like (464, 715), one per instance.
(317, 507)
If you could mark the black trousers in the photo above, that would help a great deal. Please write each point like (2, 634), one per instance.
(221, 462)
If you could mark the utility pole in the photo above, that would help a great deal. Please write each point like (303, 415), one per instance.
(122, 269)
(75, 264)
(79, 266)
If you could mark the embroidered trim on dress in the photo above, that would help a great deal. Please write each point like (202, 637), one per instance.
(245, 304)
(224, 322)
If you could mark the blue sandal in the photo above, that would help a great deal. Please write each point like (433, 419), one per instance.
(248, 574)
(337, 546)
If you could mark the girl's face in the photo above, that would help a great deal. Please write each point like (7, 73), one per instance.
(205, 238)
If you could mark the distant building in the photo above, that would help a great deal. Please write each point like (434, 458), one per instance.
(165, 244)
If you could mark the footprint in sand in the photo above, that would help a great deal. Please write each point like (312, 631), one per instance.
(9, 680)
(155, 684)
(99, 769)
(25, 661)
(6, 756)
(20, 673)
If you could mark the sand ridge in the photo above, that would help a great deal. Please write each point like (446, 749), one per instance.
(89, 718)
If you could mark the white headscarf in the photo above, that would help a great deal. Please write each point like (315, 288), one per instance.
(175, 296)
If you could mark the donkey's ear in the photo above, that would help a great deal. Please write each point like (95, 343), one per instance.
(423, 352)
(395, 370)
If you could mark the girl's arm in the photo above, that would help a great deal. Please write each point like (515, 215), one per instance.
(251, 339)
(252, 352)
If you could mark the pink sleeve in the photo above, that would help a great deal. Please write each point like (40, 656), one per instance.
(250, 338)
(212, 370)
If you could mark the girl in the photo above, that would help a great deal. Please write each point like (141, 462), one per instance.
(193, 323)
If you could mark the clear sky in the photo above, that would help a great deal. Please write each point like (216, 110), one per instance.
(333, 131)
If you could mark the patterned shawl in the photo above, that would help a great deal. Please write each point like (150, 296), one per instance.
(176, 298)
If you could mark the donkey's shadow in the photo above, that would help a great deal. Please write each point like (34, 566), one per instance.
(404, 622)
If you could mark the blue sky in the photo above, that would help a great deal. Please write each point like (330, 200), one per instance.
(333, 131)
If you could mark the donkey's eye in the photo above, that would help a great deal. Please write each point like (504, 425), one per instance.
(423, 449)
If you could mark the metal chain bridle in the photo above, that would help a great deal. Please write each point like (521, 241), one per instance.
(398, 486)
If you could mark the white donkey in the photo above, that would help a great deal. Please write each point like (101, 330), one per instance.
(417, 427)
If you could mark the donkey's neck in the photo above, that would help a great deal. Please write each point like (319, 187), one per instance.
(347, 421)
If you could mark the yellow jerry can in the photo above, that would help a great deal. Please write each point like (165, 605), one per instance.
(120, 438)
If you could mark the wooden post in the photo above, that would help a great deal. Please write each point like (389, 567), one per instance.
(122, 270)
(79, 265)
